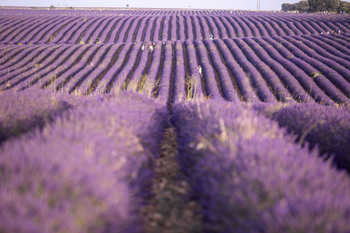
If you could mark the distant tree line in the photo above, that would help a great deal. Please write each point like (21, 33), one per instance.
(318, 6)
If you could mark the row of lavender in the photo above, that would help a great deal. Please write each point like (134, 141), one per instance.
(323, 127)
(84, 164)
(112, 29)
(250, 176)
(280, 69)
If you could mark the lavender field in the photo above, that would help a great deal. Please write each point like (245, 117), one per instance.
(174, 120)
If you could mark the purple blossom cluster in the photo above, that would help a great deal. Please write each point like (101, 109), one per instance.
(250, 176)
(23, 111)
(88, 171)
(326, 127)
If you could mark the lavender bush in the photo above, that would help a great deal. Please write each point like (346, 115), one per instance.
(326, 127)
(86, 172)
(23, 111)
(249, 176)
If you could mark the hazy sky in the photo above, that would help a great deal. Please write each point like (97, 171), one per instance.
(208, 4)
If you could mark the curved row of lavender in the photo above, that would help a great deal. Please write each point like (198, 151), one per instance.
(250, 176)
(23, 112)
(58, 27)
(314, 125)
(268, 69)
(88, 171)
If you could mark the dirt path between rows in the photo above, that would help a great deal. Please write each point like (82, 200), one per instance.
(170, 209)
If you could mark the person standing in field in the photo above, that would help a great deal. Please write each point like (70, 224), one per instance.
(200, 70)
(150, 47)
